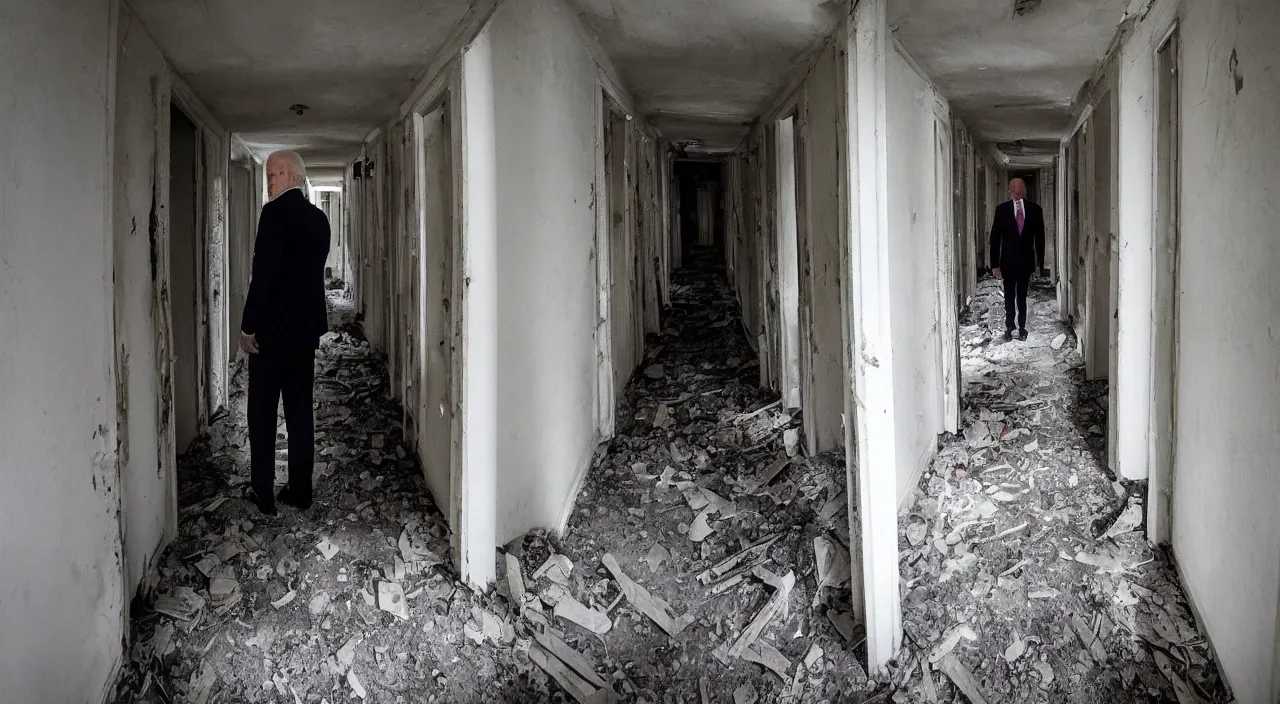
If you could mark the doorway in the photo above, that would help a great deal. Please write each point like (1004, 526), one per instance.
(788, 262)
(1099, 253)
(1165, 333)
(433, 274)
(184, 146)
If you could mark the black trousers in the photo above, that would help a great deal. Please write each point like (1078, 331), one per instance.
(272, 375)
(1015, 294)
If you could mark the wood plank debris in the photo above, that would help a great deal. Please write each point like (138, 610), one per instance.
(762, 619)
(568, 656)
(578, 688)
(729, 563)
(962, 679)
(764, 653)
(656, 609)
(570, 609)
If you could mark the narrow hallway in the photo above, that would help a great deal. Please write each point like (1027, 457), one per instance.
(697, 500)
(1023, 563)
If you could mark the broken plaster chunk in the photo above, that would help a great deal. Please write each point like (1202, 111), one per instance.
(284, 600)
(915, 534)
(391, 599)
(832, 564)
(1128, 521)
(327, 548)
(515, 580)
(557, 568)
(766, 655)
(746, 694)
(701, 528)
(950, 640)
(657, 555)
(354, 682)
(570, 609)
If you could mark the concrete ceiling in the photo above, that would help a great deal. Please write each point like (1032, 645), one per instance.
(1008, 76)
(352, 62)
(705, 69)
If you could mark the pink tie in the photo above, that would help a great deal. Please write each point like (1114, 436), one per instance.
(1017, 215)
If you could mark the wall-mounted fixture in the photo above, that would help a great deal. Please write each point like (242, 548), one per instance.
(299, 108)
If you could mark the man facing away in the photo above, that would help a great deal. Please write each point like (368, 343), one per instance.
(285, 314)
(1017, 252)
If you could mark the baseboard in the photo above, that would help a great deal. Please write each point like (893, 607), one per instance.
(580, 478)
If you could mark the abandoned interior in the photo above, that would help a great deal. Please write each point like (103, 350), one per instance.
(665, 363)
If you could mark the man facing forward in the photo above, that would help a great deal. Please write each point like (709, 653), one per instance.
(1017, 252)
(285, 314)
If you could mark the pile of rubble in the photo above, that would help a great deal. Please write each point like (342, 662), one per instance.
(354, 598)
(706, 559)
(1027, 577)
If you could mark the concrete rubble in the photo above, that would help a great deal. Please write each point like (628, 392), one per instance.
(706, 559)
(1027, 575)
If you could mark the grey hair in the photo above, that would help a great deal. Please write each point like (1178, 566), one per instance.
(296, 166)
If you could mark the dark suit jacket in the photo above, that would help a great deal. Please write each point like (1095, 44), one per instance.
(1013, 252)
(286, 306)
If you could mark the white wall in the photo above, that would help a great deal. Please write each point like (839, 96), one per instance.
(545, 92)
(61, 595)
(821, 257)
(1225, 532)
(145, 490)
(913, 266)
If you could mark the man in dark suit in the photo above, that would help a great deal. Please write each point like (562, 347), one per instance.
(285, 314)
(1017, 252)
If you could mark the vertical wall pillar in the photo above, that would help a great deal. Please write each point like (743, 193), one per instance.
(478, 493)
(872, 456)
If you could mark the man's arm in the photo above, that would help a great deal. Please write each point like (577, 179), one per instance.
(268, 251)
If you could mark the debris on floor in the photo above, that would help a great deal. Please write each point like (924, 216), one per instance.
(1028, 576)
(353, 599)
(706, 559)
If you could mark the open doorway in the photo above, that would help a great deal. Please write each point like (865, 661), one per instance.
(1164, 271)
(1100, 262)
(701, 203)
(788, 262)
(433, 280)
(184, 187)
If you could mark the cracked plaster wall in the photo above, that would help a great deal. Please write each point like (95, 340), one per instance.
(61, 596)
(913, 238)
(1225, 533)
(546, 89)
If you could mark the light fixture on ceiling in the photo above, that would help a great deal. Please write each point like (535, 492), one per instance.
(299, 108)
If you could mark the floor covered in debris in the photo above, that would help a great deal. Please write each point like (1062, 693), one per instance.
(706, 559)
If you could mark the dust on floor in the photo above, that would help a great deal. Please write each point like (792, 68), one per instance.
(706, 559)
(1027, 574)
(356, 597)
